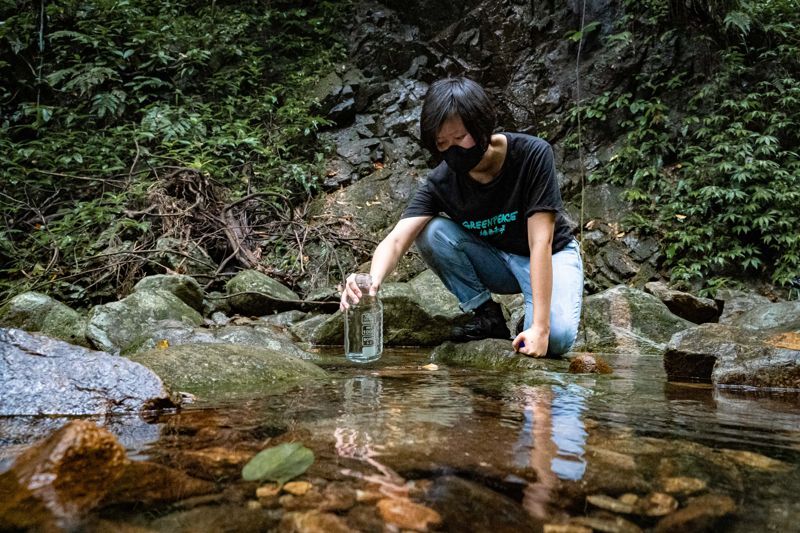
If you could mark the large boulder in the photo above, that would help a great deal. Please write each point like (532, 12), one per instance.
(778, 317)
(55, 483)
(115, 326)
(727, 355)
(626, 320)
(219, 370)
(685, 305)
(172, 333)
(735, 303)
(253, 293)
(42, 376)
(33, 311)
(184, 287)
(421, 312)
(494, 354)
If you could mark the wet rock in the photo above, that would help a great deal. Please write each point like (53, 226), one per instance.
(463, 506)
(756, 461)
(115, 326)
(408, 515)
(735, 303)
(610, 504)
(36, 312)
(491, 354)
(286, 318)
(588, 364)
(365, 518)
(682, 485)
(150, 484)
(268, 495)
(211, 370)
(726, 355)
(58, 481)
(213, 519)
(253, 293)
(39, 376)
(313, 522)
(778, 317)
(321, 330)
(337, 497)
(184, 287)
(215, 463)
(704, 513)
(566, 528)
(297, 488)
(164, 334)
(616, 524)
(683, 304)
(656, 504)
(626, 320)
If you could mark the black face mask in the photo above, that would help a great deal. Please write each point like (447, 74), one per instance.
(462, 160)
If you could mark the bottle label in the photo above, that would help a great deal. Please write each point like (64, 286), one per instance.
(367, 331)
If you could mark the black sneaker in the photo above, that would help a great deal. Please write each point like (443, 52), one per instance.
(488, 323)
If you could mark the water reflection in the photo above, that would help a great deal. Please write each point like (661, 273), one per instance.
(361, 393)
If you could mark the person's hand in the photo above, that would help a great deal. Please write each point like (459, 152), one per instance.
(532, 341)
(352, 293)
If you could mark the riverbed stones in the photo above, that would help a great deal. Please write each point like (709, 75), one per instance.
(703, 513)
(37, 312)
(113, 327)
(683, 304)
(211, 370)
(313, 522)
(148, 483)
(253, 293)
(56, 482)
(726, 355)
(184, 287)
(43, 376)
(406, 514)
(627, 320)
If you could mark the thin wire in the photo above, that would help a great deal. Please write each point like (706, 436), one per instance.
(580, 147)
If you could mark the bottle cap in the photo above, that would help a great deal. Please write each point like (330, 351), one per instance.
(364, 281)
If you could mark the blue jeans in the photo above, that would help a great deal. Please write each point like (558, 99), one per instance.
(472, 269)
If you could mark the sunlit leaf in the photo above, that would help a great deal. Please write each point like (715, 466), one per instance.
(279, 463)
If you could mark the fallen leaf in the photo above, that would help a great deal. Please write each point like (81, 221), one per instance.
(279, 463)
(163, 344)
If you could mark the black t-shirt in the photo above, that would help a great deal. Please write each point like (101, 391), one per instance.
(498, 211)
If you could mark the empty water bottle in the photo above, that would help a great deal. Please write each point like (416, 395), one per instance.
(363, 325)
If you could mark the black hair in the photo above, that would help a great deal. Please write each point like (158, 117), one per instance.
(457, 96)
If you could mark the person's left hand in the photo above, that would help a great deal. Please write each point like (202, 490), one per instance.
(532, 341)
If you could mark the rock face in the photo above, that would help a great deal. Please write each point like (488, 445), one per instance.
(59, 480)
(226, 369)
(39, 375)
(264, 293)
(184, 287)
(726, 355)
(685, 305)
(626, 320)
(115, 326)
(778, 317)
(33, 311)
(735, 303)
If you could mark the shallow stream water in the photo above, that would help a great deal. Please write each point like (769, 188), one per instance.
(488, 450)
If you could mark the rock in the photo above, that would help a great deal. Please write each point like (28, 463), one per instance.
(616, 524)
(683, 304)
(171, 333)
(321, 330)
(756, 461)
(56, 482)
(463, 506)
(703, 513)
(216, 518)
(211, 370)
(656, 504)
(215, 463)
(42, 376)
(626, 320)
(286, 318)
(408, 515)
(313, 522)
(115, 326)
(726, 355)
(683, 486)
(735, 303)
(268, 495)
(263, 294)
(778, 317)
(146, 483)
(610, 504)
(491, 354)
(184, 287)
(298, 488)
(588, 364)
(33, 311)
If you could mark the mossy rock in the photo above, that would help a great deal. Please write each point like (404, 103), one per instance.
(37, 312)
(253, 293)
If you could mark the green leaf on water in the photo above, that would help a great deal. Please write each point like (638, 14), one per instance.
(279, 463)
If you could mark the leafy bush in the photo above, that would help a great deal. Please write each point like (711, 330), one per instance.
(102, 98)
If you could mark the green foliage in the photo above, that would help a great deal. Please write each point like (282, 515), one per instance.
(279, 463)
(102, 98)
(719, 174)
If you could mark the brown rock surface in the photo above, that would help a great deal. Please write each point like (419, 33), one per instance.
(313, 522)
(151, 484)
(59, 480)
(407, 514)
(588, 364)
(700, 514)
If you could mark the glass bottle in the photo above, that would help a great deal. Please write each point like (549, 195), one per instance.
(363, 325)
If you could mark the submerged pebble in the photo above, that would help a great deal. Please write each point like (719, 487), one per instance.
(588, 364)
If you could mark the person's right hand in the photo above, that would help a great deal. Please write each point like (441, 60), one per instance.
(351, 294)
